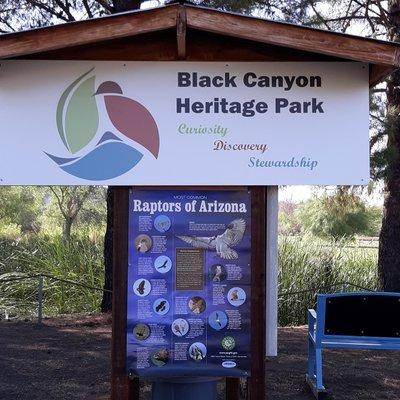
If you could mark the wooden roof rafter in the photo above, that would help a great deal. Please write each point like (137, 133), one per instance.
(383, 57)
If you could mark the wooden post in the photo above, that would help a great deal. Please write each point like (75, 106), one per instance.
(40, 300)
(256, 386)
(271, 279)
(122, 388)
(232, 389)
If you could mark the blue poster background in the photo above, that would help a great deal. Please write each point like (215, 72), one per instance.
(201, 332)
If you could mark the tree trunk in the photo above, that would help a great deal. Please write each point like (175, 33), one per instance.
(67, 229)
(106, 303)
(389, 239)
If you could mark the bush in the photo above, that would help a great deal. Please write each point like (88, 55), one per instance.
(314, 266)
(342, 215)
(81, 260)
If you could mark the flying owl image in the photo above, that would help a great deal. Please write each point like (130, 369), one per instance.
(223, 243)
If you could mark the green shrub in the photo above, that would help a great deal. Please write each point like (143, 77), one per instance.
(81, 261)
(315, 266)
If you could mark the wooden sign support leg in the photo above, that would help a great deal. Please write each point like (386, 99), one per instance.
(256, 385)
(122, 388)
(232, 389)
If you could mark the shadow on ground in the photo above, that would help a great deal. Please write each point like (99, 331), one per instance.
(63, 359)
(69, 358)
(348, 375)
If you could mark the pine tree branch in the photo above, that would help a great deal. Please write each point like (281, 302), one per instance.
(351, 17)
(383, 122)
(60, 200)
(48, 9)
(105, 5)
(66, 8)
(87, 8)
(320, 17)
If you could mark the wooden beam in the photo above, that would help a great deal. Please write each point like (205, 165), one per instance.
(294, 36)
(87, 32)
(377, 73)
(207, 46)
(153, 46)
(122, 388)
(181, 32)
(232, 389)
(256, 385)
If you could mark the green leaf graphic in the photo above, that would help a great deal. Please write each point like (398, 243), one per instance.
(77, 116)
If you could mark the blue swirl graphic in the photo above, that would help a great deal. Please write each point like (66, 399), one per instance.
(107, 161)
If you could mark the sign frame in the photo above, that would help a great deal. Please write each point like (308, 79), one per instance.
(256, 383)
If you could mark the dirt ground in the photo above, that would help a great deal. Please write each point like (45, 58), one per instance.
(69, 358)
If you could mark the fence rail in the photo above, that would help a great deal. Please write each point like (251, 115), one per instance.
(40, 289)
(344, 285)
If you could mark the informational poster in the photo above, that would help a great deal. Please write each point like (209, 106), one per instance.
(189, 281)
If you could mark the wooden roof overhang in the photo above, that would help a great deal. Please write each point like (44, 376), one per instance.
(186, 32)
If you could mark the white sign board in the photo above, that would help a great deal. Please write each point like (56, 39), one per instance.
(181, 123)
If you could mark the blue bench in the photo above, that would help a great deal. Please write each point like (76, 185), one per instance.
(361, 320)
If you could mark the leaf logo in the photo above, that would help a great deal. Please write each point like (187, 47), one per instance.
(77, 119)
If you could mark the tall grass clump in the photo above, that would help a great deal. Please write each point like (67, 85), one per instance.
(80, 260)
(310, 265)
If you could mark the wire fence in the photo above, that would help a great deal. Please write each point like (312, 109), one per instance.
(288, 313)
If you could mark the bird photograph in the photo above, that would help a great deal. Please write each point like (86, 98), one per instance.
(197, 304)
(141, 287)
(180, 327)
(143, 243)
(163, 226)
(218, 273)
(223, 243)
(143, 246)
(217, 320)
(164, 265)
(196, 352)
(161, 306)
(234, 295)
(141, 332)
(160, 357)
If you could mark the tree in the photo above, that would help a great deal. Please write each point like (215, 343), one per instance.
(24, 14)
(337, 216)
(22, 206)
(379, 19)
(16, 15)
(389, 244)
(70, 201)
(288, 221)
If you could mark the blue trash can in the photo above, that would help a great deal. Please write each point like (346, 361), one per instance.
(190, 388)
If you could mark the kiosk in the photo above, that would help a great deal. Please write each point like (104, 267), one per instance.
(195, 116)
